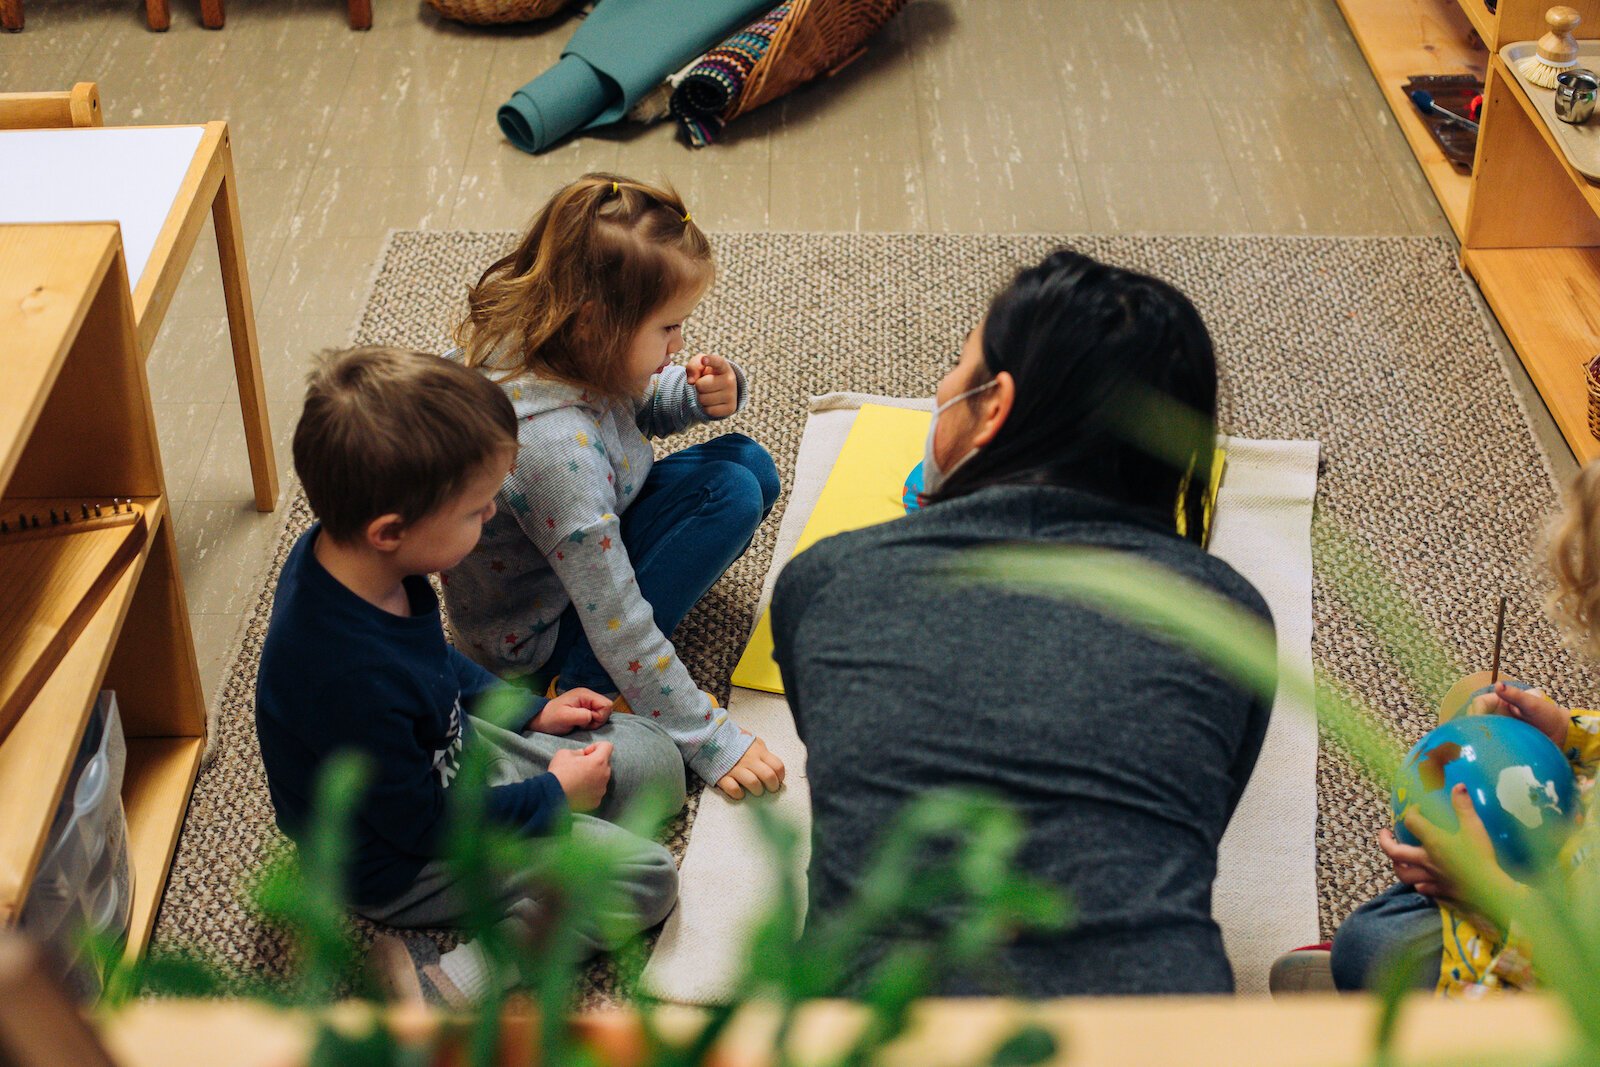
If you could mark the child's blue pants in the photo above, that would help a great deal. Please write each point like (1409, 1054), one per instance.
(695, 515)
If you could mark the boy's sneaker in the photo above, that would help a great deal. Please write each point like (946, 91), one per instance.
(407, 970)
(1305, 970)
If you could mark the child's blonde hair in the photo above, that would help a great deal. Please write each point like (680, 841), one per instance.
(600, 257)
(1575, 561)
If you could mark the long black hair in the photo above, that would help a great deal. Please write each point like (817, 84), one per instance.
(1116, 389)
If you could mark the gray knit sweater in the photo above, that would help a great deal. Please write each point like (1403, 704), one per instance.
(556, 540)
(1124, 754)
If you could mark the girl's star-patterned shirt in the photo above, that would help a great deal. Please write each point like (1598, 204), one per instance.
(556, 540)
(1479, 959)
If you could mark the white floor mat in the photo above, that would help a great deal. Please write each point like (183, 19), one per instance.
(1265, 897)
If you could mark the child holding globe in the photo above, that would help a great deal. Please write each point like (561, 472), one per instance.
(1423, 912)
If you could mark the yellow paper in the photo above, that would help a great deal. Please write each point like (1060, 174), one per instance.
(864, 489)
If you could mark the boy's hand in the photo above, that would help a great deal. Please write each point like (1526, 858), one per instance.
(758, 771)
(715, 383)
(584, 774)
(576, 709)
(1529, 705)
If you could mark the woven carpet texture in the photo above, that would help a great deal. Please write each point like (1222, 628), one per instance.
(1432, 479)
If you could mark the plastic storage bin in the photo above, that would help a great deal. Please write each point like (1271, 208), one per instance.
(84, 882)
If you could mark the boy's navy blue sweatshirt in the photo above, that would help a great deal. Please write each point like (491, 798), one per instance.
(340, 673)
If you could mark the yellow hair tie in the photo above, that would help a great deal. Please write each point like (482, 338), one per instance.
(687, 217)
(613, 188)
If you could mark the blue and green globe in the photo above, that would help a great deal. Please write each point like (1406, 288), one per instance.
(1520, 784)
(912, 489)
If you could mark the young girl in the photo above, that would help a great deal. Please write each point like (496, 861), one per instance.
(598, 551)
(1475, 955)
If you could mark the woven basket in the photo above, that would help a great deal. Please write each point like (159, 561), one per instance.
(491, 12)
(1591, 378)
(819, 37)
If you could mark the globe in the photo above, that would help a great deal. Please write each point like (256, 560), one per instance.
(913, 487)
(1520, 784)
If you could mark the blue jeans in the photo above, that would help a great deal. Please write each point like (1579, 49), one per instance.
(1392, 920)
(695, 514)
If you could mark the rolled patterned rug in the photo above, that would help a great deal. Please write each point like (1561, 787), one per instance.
(621, 51)
(713, 85)
(790, 45)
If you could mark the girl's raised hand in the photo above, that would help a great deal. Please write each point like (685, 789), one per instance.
(715, 384)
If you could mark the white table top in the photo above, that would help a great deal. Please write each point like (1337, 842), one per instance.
(129, 175)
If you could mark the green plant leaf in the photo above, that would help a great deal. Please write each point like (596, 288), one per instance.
(1028, 1047)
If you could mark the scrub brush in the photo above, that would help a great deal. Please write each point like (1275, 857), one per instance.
(1557, 49)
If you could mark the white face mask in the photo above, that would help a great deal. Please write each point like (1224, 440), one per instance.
(932, 476)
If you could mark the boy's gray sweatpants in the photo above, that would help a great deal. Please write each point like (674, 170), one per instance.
(643, 759)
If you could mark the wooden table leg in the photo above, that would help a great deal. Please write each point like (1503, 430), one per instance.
(361, 14)
(157, 15)
(242, 332)
(11, 14)
(211, 14)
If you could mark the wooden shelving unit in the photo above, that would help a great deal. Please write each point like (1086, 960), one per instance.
(1533, 245)
(1528, 223)
(76, 425)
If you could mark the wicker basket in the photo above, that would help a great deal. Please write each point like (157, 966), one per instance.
(1591, 378)
(491, 12)
(819, 37)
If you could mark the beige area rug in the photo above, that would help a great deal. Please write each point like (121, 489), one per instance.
(1372, 346)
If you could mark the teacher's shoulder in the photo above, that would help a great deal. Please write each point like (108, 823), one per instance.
(1221, 576)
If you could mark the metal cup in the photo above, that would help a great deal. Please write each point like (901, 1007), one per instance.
(1576, 90)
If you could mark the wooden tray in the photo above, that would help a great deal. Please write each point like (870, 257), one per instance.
(1580, 144)
(1453, 92)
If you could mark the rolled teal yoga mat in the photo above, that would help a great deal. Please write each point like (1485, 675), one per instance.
(622, 50)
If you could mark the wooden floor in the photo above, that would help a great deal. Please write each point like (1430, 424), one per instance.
(1228, 116)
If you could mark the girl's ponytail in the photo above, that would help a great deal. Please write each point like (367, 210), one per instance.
(599, 257)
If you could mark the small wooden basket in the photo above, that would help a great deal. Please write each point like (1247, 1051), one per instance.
(494, 12)
(819, 37)
(1591, 379)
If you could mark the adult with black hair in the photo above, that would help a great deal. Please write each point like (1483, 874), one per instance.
(1125, 754)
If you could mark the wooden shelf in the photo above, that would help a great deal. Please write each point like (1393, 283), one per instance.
(36, 757)
(1403, 38)
(1523, 20)
(1091, 1031)
(1523, 286)
(1586, 188)
(155, 794)
(1486, 22)
(76, 425)
(40, 315)
(1533, 245)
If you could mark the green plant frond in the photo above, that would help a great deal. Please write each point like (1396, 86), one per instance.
(1370, 591)
(171, 975)
(1178, 435)
(1232, 641)
(505, 706)
(305, 891)
(1028, 1047)
(1396, 981)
